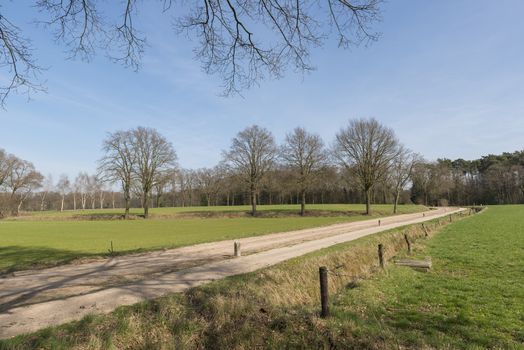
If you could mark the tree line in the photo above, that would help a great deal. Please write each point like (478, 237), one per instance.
(492, 179)
(366, 163)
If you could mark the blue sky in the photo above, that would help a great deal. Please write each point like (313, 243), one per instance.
(447, 76)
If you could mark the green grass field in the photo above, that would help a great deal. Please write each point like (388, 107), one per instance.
(472, 298)
(28, 242)
(264, 211)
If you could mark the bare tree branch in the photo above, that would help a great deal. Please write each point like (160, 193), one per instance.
(242, 41)
(18, 70)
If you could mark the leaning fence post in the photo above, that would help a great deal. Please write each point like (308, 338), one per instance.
(379, 223)
(237, 249)
(407, 242)
(381, 255)
(324, 295)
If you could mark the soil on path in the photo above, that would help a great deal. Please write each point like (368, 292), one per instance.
(34, 299)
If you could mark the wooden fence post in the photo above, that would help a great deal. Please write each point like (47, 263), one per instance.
(324, 294)
(450, 218)
(237, 249)
(407, 242)
(379, 223)
(381, 255)
(111, 250)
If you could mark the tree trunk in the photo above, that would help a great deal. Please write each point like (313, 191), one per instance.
(42, 202)
(74, 201)
(145, 204)
(62, 204)
(126, 213)
(397, 195)
(158, 199)
(303, 203)
(368, 201)
(253, 202)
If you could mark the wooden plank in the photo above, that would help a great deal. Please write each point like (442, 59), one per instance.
(423, 264)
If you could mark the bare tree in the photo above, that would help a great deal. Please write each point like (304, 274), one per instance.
(100, 190)
(252, 154)
(92, 189)
(154, 156)
(241, 41)
(186, 179)
(304, 153)
(401, 171)
(161, 185)
(47, 187)
(209, 181)
(75, 190)
(369, 148)
(228, 183)
(118, 163)
(63, 186)
(21, 181)
(6, 163)
(82, 187)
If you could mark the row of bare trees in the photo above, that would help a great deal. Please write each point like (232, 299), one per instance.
(366, 157)
(366, 150)
(365, 163)
(86, 191)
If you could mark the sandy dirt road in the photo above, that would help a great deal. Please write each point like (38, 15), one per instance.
(35, 299)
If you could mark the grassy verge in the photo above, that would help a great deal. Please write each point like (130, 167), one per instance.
(278, 307)
(30, 244)
(473, 298)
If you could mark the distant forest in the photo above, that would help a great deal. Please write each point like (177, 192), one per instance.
(492, 179)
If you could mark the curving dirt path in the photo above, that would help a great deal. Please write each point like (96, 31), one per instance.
(34, 299)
